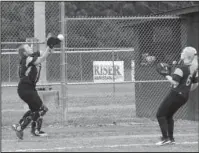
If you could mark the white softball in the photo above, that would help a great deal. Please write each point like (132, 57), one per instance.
(61, 37)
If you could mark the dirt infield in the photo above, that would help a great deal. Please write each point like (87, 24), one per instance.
(140, 135)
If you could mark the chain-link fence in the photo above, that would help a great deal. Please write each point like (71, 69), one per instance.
(137, 43)
(17, 27)
(110, 63)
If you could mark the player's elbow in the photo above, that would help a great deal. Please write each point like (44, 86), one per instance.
(194, 86)
(174, 83)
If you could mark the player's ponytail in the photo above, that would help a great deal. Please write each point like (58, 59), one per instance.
(194, 65)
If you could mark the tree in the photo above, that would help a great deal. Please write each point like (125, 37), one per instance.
(17, 18)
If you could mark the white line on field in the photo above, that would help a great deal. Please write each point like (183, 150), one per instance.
(12, 110)
(98, 146)
(109, 137)
(105, 107)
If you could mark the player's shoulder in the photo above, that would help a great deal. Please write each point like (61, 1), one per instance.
(180, 70)
(182, 67)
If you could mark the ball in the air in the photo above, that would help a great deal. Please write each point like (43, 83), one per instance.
(150, 59)
(60, 37)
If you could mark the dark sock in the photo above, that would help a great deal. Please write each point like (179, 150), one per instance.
(170, 127)
(163, 126)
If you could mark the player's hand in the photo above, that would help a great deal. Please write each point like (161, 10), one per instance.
(51, 50)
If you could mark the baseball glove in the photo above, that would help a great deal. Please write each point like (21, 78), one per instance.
(52, 41)
(163, 69)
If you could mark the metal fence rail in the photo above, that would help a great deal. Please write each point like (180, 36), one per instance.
(162, 37)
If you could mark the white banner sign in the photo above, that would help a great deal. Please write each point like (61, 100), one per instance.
(103, 71)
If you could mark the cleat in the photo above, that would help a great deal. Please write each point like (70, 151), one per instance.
(42, 134)
(18, 132)
(172, 140)
(39, 133)
(163, 141)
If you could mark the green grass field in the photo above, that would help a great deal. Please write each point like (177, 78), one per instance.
(98, 119)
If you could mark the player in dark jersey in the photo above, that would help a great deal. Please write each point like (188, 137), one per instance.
(29, 73)
(182, 79)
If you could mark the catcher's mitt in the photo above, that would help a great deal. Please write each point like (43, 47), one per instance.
(52, 41)
(163, 69)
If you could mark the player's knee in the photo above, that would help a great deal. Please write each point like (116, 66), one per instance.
(157, 116)
(35, 115)
(43, 110)
(160, 115)
(28, 115)
(170, 119)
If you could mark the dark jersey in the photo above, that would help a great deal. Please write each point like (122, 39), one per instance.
(185, 81)
(28, 72)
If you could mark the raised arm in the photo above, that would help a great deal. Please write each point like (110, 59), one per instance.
(51, 42)
(43, 56)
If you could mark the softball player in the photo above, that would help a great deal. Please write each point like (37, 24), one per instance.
(29, 73)
(182, 80)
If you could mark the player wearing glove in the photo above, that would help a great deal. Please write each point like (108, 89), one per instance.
(181, 80)
(52, 41)
(29, 73)
(164, 69)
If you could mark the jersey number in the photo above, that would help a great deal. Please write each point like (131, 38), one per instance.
(188, 82)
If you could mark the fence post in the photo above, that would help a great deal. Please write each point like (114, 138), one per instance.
(63, 64)
(9, 70)
(113, 60)
(80, 65)
(1, 78)
(40, 33)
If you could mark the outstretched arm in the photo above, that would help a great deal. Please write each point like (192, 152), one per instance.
(43, 57)
(51, 42)
(173, 82)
